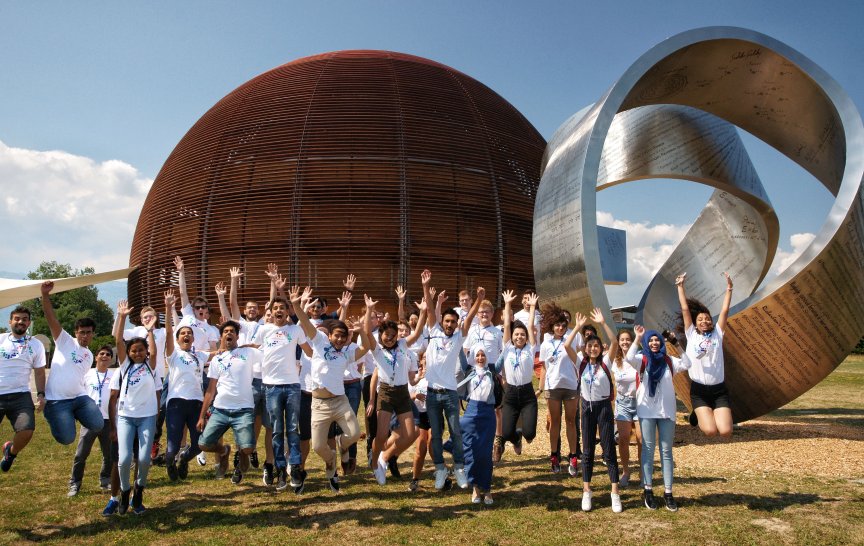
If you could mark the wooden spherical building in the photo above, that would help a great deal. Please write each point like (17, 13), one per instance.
(371, 162)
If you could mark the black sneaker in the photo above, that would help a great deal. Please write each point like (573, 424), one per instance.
(138, 507)
(671, 505)
(334, 482)
(650, 501)
(172, 471)
(8, 457)
(237, 476)
(282, 480)
(253, 459)
(296, 475)
(299, 489)
(694, 421)
(267, 477)
(183, 465)
(393, 466)
(124, 501)
(237, 459)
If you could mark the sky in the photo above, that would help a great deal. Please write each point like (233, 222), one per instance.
(95, 95)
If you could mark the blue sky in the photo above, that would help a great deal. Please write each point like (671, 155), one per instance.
(97, 94)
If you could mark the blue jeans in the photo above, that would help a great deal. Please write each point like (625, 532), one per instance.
(179, 414)
(666, 428)
(442, 406)
(127, 429)
(283, 406)
(354, 392)
(62, 414)
(240, 421)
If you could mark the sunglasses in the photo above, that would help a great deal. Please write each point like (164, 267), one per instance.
(201, 307)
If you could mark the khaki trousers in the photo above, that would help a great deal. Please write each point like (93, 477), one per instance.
(332, 410)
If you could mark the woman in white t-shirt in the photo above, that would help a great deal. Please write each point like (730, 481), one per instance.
(625, 404)
(517, 369)
(708, 394)
(185, 394)
(596, 390)
(421, 422)
(478, 425)
(133, 409)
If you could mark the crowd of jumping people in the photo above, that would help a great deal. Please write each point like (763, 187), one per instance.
(300, 372)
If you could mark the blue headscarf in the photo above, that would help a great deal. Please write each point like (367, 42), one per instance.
(656, 361)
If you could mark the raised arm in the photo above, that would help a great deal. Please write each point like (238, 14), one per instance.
(272, 273)
(48, 310)
(682, 301)
(597, 317)
(367, 340)
(508, 297)
(220, 295)
(169, 328)
(154, 354)
(415, 334)
(123, 311)
(400, 294)
(630, 357)
(578, 321)
(181, 281)
(295, 296)
(344, 301)
(235, 287)
(727, 302)
(425, 277)
(469, 318)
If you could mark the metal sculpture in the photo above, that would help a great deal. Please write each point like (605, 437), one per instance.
(784, 337)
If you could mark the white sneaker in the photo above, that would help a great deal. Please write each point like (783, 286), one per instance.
(616, 503)
(586, 501)
(380, 471)
(202, 459)
(440, 478)
(329, 473)
(461, 478)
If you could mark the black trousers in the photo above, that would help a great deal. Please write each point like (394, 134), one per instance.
(371, 422)
(593, 414)
(519, 401)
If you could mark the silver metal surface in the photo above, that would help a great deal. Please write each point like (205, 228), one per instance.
(789, 334)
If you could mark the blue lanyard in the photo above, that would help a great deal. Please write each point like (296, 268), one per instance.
(102, 382)
(518, 357)
(394, 354)
(556, 349)
(130, 371)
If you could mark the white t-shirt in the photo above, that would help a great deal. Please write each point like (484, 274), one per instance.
(491, 338)
(464, 313)
(368, 365)
(205, 333)
(137, 391)
(99, 388)
(706, 354)
(328, 364)
(17, 358)
(662, 404)
(560, 371)
(522, 316)
(419, 388)
(250, 330)
(233, 371)
(480, 387)
(306, 383)
(518, 364)
(357, 369)
(442, 358)
(68, 366)
(159, 337)
(279, 347)
(594, 385)
(393, 364)
(625, 379)
(186, 369)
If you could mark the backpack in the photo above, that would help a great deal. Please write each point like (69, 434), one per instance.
(645, 363)
(584, 364)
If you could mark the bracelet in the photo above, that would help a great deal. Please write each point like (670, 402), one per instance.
(40, 393)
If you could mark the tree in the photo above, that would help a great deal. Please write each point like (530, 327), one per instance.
(72, 304)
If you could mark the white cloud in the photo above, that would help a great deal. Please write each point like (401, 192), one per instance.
(69, 208)
(784, 258)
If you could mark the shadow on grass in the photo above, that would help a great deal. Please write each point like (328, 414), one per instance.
(769, 503)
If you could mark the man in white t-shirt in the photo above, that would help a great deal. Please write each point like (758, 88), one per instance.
(442, 364)
(465, 303)
(230, 393)
(19, 354)
(67, 399)
(196, 313)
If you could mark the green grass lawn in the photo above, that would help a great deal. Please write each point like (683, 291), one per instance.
(794, 476)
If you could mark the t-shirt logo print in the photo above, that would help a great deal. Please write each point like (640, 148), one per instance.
(279, 338)
(331, 353)
(136, 375)
(705, 345)
(76, 359)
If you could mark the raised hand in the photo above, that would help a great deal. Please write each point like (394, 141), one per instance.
(47, 287)
(310, 303)
(178, 263)
(220, 289)
(481, 293)
(170, 299)
(400, 292)
(235, 272)
(423, 305)
(679, 280)
(349, 282)
(272, 271)
(532, 300)
(639, 330)
(728, 280)
(279, 282)
(425, 276)
(123, 308)
(509, 296)
(579, 321)
(345, 299)
(369, 303)
(442, 297)
(597, 316)
(294, 294)
(432, 292)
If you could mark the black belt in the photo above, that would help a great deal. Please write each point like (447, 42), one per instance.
(437, 391)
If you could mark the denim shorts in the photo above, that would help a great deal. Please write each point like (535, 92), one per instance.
(625, 408)
(260, 398)
(241, 422)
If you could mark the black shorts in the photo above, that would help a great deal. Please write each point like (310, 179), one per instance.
(711, 396)
(422, 421)
(394, 400)
(18, 408)
(305, 416)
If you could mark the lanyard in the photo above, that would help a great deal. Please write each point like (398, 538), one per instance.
(130, 371)
(102, 382)
(556, 348)
(394, 354)
(518, 357)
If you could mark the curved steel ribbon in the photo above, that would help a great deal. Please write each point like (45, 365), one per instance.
(782, 338)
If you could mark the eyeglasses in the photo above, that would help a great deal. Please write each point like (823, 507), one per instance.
(201, 307)
(104, 353)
